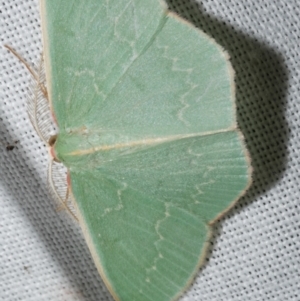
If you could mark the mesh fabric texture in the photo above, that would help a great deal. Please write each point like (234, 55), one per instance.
(254, 254)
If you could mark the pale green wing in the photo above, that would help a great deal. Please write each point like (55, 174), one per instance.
(146, 213)
(89, 45)
(145, 106)
(111, 63)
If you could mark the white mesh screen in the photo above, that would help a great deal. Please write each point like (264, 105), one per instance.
(254, 254)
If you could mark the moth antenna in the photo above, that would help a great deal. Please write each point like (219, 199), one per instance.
(38, 106)
(58, 188)
(37, 102)
(32, 109)
(65, 200)
(31, 71)
(39, 114)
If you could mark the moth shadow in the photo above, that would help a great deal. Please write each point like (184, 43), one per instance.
(261, 83)
(60, 236)
(261, 86)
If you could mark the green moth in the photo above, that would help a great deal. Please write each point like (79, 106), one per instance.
(145, 107)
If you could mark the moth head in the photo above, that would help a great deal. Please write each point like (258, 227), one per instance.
(51, 143)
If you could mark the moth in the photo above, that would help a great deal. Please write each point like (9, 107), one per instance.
(145, 107)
